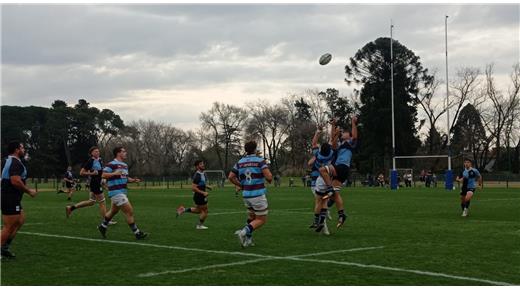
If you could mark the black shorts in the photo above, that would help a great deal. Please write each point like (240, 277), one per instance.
(200, 199)
(342, 172)
(96, 188)
(464, 191)
(11, 203)
(68, 185)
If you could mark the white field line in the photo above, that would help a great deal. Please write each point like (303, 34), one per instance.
(294, 258)
(274, 211)
(152, 274)
(493, 199)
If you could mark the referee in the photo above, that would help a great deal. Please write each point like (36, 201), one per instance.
(14, 175)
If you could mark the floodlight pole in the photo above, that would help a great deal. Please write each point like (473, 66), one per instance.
(393, 174)
(449, 172)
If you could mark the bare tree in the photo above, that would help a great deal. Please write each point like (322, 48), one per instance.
(226, 123)
(463, 89)
(270, 123)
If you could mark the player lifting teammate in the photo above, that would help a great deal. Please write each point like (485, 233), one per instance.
(336, 174)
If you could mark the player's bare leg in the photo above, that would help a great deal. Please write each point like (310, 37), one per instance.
(203, 210)
(128, 211)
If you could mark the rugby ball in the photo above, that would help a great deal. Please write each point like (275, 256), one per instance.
(325, 59)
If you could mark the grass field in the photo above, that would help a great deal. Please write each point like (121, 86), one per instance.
(404, 237)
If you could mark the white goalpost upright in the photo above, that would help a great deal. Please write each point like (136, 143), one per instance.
(393, 173)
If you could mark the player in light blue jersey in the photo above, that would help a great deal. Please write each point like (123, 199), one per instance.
(470, 177)
(116, 174)
(250, 174)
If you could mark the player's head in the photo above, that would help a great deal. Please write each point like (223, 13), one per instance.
(69, 168)
(468, 163)
(345, 135)
(250, 147)
(199, 165)
(119, 153)
(94, 151)
(325, 149)
(16, 148)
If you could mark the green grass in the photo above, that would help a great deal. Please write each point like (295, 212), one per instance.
(419, 229)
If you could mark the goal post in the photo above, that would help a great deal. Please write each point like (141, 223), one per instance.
(448, 176)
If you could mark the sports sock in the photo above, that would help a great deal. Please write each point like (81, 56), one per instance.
(316, 218)
(72, 208)
(7, 244)
(249, 230)
(341, 213)
(134, 228)
(188, 209)
(467, 204)
(201, 221)
(462, 205)
(323, 216)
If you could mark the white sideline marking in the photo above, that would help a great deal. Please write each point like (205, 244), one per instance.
(294, 258)
(151, 274)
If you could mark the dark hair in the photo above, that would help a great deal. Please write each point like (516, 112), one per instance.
(250, 147)
(325, 149)
(197, 162)
(12, 146)
(92, 149)
(469, 160)
(117, 150)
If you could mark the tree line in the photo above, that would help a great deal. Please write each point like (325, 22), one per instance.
(484, 125)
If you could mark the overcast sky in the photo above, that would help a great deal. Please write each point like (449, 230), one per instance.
(170, 62)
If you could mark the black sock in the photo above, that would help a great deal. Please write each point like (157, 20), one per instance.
(249, 230)
(323, 216)
(341, 212)
(467, 204)
(134, 228)
(72, 208)
(330, 203)
(188, 209)
(7, 244)
(316, 218)
(201, 221)
(462, 205)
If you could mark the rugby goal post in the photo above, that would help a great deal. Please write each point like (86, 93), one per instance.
(217, 177)
(448, 177)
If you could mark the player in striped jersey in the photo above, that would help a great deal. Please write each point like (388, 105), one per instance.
(116, 173)
(250, 174)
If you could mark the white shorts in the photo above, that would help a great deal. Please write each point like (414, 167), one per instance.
(321, 186)
(119, 199)
(257, 205)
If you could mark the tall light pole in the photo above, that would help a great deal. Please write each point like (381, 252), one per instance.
(393, 175)
(449, 172)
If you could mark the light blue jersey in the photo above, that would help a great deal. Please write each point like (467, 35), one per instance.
(472, 175)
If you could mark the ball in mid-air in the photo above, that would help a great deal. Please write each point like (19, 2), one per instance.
(325, 59)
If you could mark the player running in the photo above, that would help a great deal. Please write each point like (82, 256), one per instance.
(469, 177)
(68, 179)
(250, 174)
(116, 173)
(93, 169)
(200, 196)
(337, 173)
(14, 175)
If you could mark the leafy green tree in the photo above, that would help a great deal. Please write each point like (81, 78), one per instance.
(369, 69)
